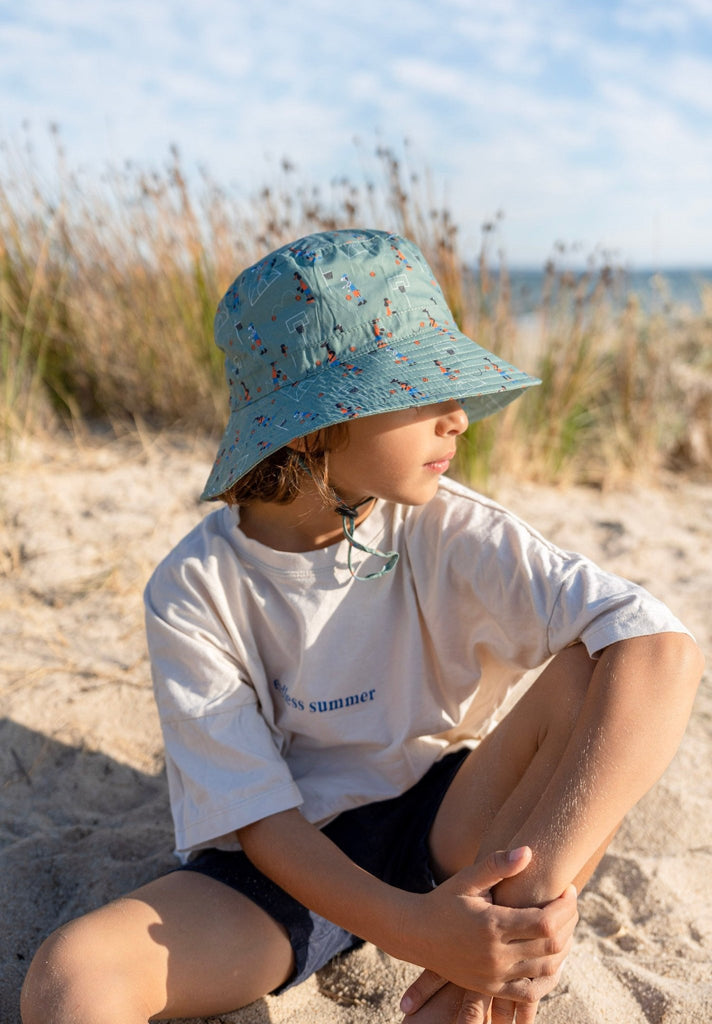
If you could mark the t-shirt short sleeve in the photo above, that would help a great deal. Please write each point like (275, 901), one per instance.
(223, 761)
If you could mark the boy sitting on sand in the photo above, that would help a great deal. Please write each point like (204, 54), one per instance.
(327, 649)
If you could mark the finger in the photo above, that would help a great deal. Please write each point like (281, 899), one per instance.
(417, 994)
(534, 924)
(527, 990)
(503, 1011)
(526, 1012)
(473, 1009)
(543, 965)
(565, 906)
(444, 1005)
(497, 865)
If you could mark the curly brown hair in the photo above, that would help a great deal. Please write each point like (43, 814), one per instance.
(280, 477)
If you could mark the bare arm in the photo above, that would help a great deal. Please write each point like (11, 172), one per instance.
(454, 929)
(637, 707)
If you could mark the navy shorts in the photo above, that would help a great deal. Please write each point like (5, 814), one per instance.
(388, 838)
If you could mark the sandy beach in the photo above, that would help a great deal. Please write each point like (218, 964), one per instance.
(83, 803)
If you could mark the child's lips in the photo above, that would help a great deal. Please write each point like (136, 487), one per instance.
(440, 465)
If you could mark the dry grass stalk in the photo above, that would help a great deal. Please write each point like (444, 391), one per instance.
(108, 289)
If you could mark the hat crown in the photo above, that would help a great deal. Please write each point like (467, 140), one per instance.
(336, 325)
(321, 299)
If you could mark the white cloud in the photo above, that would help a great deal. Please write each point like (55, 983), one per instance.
(650, 17)
(688, 78)
(576, 119)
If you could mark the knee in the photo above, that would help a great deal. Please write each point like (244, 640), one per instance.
(66, 983)
(46, 981)
(52, 991)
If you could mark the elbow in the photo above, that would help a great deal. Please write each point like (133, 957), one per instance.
(684, 658)
(670, 668)
(698, 659)
(690, 654)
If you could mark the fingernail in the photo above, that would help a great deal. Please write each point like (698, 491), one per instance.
(407, 1004)
(515, 854)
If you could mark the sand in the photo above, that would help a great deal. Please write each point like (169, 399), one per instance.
(83, 805)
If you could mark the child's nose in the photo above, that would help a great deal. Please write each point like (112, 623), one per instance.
(453, 418)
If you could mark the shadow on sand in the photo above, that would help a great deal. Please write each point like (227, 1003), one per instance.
(77, 829)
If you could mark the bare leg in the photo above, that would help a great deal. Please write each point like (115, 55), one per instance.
(490, 796)
(506, 775)
(181, 946)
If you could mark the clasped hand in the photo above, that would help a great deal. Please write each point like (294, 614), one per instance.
(512, 954)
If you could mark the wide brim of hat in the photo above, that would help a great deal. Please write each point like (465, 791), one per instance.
(374, 383)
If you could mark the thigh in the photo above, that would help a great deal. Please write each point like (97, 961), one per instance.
(510, 769)
(182, 946)
(314, 939)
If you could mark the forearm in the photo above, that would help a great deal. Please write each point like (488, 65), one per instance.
(303, 861)
(574, 793)
(455, 930)
(632, 721)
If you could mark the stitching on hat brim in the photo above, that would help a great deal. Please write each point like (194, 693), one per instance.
(477, 404)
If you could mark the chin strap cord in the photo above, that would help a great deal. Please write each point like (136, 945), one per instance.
(348, 515)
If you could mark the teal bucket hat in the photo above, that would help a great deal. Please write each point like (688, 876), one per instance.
(336, 325)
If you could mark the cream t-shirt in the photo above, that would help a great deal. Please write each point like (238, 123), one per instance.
(283, 682)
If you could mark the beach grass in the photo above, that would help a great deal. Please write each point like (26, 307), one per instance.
(108, 289)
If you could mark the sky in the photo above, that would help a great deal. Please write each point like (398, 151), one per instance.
(587, 123)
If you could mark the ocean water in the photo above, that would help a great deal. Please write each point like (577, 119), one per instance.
(655, 290)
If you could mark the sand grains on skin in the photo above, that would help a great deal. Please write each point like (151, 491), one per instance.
(83, 803)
